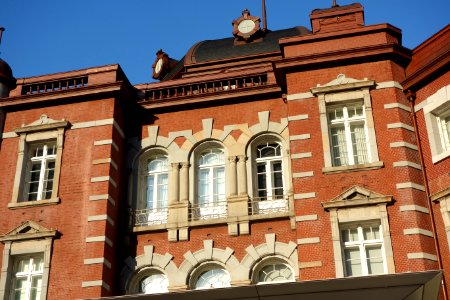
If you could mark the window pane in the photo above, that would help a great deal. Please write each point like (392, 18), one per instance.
(162, 189)
(156, 283)
(339, 146)
(203, 186)
(353, 262)
(219, 184)
(20, 289)
(150, 191)
(371, 232)
(359, 143)
(335, 114)
(215, 278)
(275, 272)
(374, 260)
(36, 284)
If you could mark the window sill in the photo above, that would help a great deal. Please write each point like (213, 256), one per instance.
(24, 204)
(438, 157)
(353, 168)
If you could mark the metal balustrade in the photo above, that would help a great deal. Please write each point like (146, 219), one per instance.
(208, 87)
(149, 216)
(208, 211)
(268, 205)
(52, 86)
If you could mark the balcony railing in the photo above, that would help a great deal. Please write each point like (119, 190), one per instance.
(208, 211)
(206, 87)
(149, 216)
(52, 86)
(268, 205)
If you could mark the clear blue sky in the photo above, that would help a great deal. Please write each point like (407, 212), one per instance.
(50, 36)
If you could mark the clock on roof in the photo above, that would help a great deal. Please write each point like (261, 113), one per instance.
(161, 65)
(246, 27)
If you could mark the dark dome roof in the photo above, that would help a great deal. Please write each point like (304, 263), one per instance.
(211, 50)
(6, 75)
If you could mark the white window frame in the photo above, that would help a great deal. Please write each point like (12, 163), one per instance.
(29, 276)
(37, 240)
(157, 174)
(268, 162)
(197, 274)
(213, 198)
(436, 108)
(276, 263)
(42, 160)
(347, 91)
(361, 244)
(346, 122)
(158, 285)
(44, 130)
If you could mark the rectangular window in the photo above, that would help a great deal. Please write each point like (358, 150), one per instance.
(444, 130)
(40, 171)
(348, 137)
(363, 250)
(27, 277)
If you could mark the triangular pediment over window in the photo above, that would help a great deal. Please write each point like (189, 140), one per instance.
(29, 230)
(42, 124)
(342, 83)
(356, 196)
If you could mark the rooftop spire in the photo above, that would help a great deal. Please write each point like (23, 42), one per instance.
(1, 33)
(334, 4)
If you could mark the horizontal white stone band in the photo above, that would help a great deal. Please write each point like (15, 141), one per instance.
(100, 260)
(400, 125)
(413, 207)
(305, 241)
(103, 179)
(301, 155)
(306, 218)
(309, 264)
(102, 197)
(303, 174)
(105, 161)
(298, 118)
(95, 283)
(101, 218)
(300, 137)
(99, 239)
(304, 196)
(403, 144)
(397, 105)
(410, 185)
(106, 142)
(405, 163)
(422, 255)
(410, 231)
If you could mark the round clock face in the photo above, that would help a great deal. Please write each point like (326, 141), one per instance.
(158, 66)
(246, 26)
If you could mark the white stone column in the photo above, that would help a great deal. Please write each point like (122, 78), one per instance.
(232, 187)
(184, 182)
(174, 183)
(242, 175)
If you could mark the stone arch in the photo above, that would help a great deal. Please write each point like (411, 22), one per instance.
(134, 269)
(209, 254)
(271, 248)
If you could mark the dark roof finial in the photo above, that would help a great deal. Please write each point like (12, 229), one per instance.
(1, 33)
(334, 4)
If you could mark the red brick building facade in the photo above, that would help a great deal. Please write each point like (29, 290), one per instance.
(272, 156)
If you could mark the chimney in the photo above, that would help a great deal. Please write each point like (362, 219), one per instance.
(337, 18)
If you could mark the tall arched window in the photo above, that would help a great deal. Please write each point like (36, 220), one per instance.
(152, 205)
(269, 169)
(210, 202)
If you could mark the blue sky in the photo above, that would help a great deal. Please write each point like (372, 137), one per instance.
(50, 36)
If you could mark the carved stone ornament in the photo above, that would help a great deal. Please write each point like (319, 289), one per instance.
(42, 124)
(356, 196)
(246, 27)
(28, 230)
(161, 65)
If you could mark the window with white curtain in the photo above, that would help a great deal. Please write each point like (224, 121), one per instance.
(363, 250)
(211, 177)
(269, 168)
(157, 177)
(348, 134)
(27, 277)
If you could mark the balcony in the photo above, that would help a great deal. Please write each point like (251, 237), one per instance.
(149, 216)
(56, 85)
(208, 211)
(268, 205)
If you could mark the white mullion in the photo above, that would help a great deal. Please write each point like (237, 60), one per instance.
(210, 195)
(362, 251)
(155, 190)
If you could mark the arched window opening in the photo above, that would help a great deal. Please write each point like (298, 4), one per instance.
(154, 284)
(276, 272)
(213, 278)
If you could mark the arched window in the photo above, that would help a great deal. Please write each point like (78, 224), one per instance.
(156, 182)
(275, 272)
(151, 207)
(154, 283)
(269, 169)
(210, 179)
(215, 277)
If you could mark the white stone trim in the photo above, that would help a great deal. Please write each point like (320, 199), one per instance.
(100, 260)
(119, 130)
(410, 185)
(422, 255)
(102, 197)
(94, 123)
(305, 241)
(104, 178)
(388, 84)
(413, 207)
(405, 163)
(304, 196)
(101, 239)
(101, 218)
(397, 105)
(403, 144)
(300, 137)
(410, 231)
(106, 142)
(95, 283)
(299, 96)
(400, 125)
(8, 135)
(306, 218)
(303, 174)
(310, 264)
(298, 117)
(301, 155)
(105, 161)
